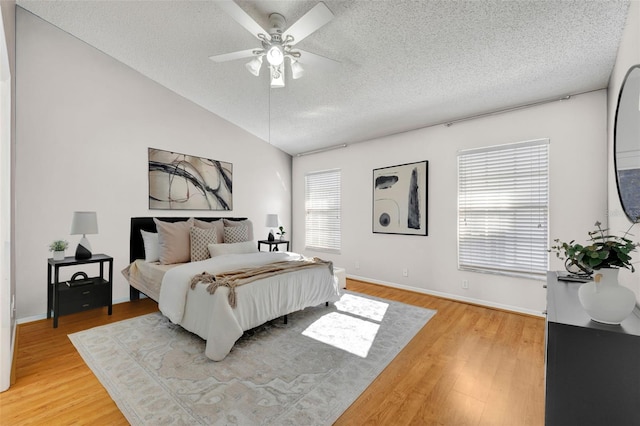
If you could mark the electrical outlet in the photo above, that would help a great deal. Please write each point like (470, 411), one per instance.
(357, 264)
(405, 272)
(465, 284)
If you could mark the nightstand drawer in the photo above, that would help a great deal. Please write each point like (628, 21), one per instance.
(80, 298)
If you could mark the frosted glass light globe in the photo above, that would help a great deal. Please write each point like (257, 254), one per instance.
(275, 56)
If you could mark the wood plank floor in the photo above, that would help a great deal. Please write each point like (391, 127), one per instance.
(468, 366)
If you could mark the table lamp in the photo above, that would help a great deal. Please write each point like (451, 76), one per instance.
(272, 222)
(84, 223)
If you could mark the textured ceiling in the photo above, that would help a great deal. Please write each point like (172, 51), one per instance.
(404, 64)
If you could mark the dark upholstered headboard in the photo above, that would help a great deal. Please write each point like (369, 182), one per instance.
(136, 245)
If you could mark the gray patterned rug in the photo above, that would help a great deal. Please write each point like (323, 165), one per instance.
(306, 372)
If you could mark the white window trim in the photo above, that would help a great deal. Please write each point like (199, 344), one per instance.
(334, 241)
(512, 265)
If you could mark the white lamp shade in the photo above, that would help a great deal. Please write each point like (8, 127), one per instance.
(272, 220)
(84, 223)
(297, 70)
(254, 65)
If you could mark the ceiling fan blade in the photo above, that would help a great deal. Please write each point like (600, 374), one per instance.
(308, 58)
(240, 54)
(241, 17)
(310, 22)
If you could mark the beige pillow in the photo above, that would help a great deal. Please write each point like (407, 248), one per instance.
(246, 223)
(174, 239)
(200, 240)
(217, 224)
(235, 248)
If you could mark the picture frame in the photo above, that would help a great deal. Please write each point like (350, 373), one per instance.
(400, 199)
(187, 182)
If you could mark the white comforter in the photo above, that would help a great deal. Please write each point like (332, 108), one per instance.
(210, 316)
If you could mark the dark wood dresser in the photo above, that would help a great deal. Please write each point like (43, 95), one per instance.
(592, 369)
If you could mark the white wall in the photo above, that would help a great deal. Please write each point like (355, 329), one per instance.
(7, 104)
(628, 55)
(84, 123)
(577, 130)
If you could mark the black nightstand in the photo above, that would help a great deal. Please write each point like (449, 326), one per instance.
(90, 293)
(273, 245)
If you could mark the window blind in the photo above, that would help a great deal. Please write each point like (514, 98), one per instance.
(503, 197)
(322, 206)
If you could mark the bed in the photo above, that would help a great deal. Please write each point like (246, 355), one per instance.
(191, 303)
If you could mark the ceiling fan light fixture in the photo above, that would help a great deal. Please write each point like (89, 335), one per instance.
(276, 43)
(297, 70)
(254, 65)
(275, 56)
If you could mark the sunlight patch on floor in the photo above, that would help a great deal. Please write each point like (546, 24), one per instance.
(353, 328)
(362, 307)
(344, 332)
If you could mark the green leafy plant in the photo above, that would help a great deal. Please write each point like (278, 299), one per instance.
(605, 251)
(281, 232)
(58, 245)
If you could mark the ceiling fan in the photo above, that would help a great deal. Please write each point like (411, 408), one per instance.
(277, 43)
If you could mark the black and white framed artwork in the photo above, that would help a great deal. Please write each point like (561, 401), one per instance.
(186, 182)
(400, 199)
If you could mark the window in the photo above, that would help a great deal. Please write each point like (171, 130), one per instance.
(322, 208)
(503, 196)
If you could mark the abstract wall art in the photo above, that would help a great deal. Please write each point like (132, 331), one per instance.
(400, 199)
(186, 182)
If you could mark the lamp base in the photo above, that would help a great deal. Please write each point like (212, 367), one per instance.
(83, 251)
(270, 237)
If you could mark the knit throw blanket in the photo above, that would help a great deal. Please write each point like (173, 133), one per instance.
(233, 279)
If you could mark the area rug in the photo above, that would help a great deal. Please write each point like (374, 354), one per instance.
(305, 372)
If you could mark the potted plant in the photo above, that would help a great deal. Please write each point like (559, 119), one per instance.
(58, 247)
(604, 251)
(281, 232)
(603, 298)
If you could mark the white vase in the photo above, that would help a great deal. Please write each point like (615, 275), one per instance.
(58, 255)
(604, 299)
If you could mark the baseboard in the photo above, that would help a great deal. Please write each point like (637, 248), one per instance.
(450, 296)
(44, 316)
(32, 318)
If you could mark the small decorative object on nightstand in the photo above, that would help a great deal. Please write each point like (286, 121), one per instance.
(58, 247)
(273, 245)
(281, 232)
(81, 292)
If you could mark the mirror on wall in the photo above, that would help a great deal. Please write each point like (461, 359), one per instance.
(626, 144)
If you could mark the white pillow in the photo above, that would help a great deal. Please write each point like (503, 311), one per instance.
(232, 248)
(151, 246)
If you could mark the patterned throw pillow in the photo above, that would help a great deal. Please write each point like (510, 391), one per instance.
(217, 224)
(200, 240)
(236, 234)
(245, 222)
